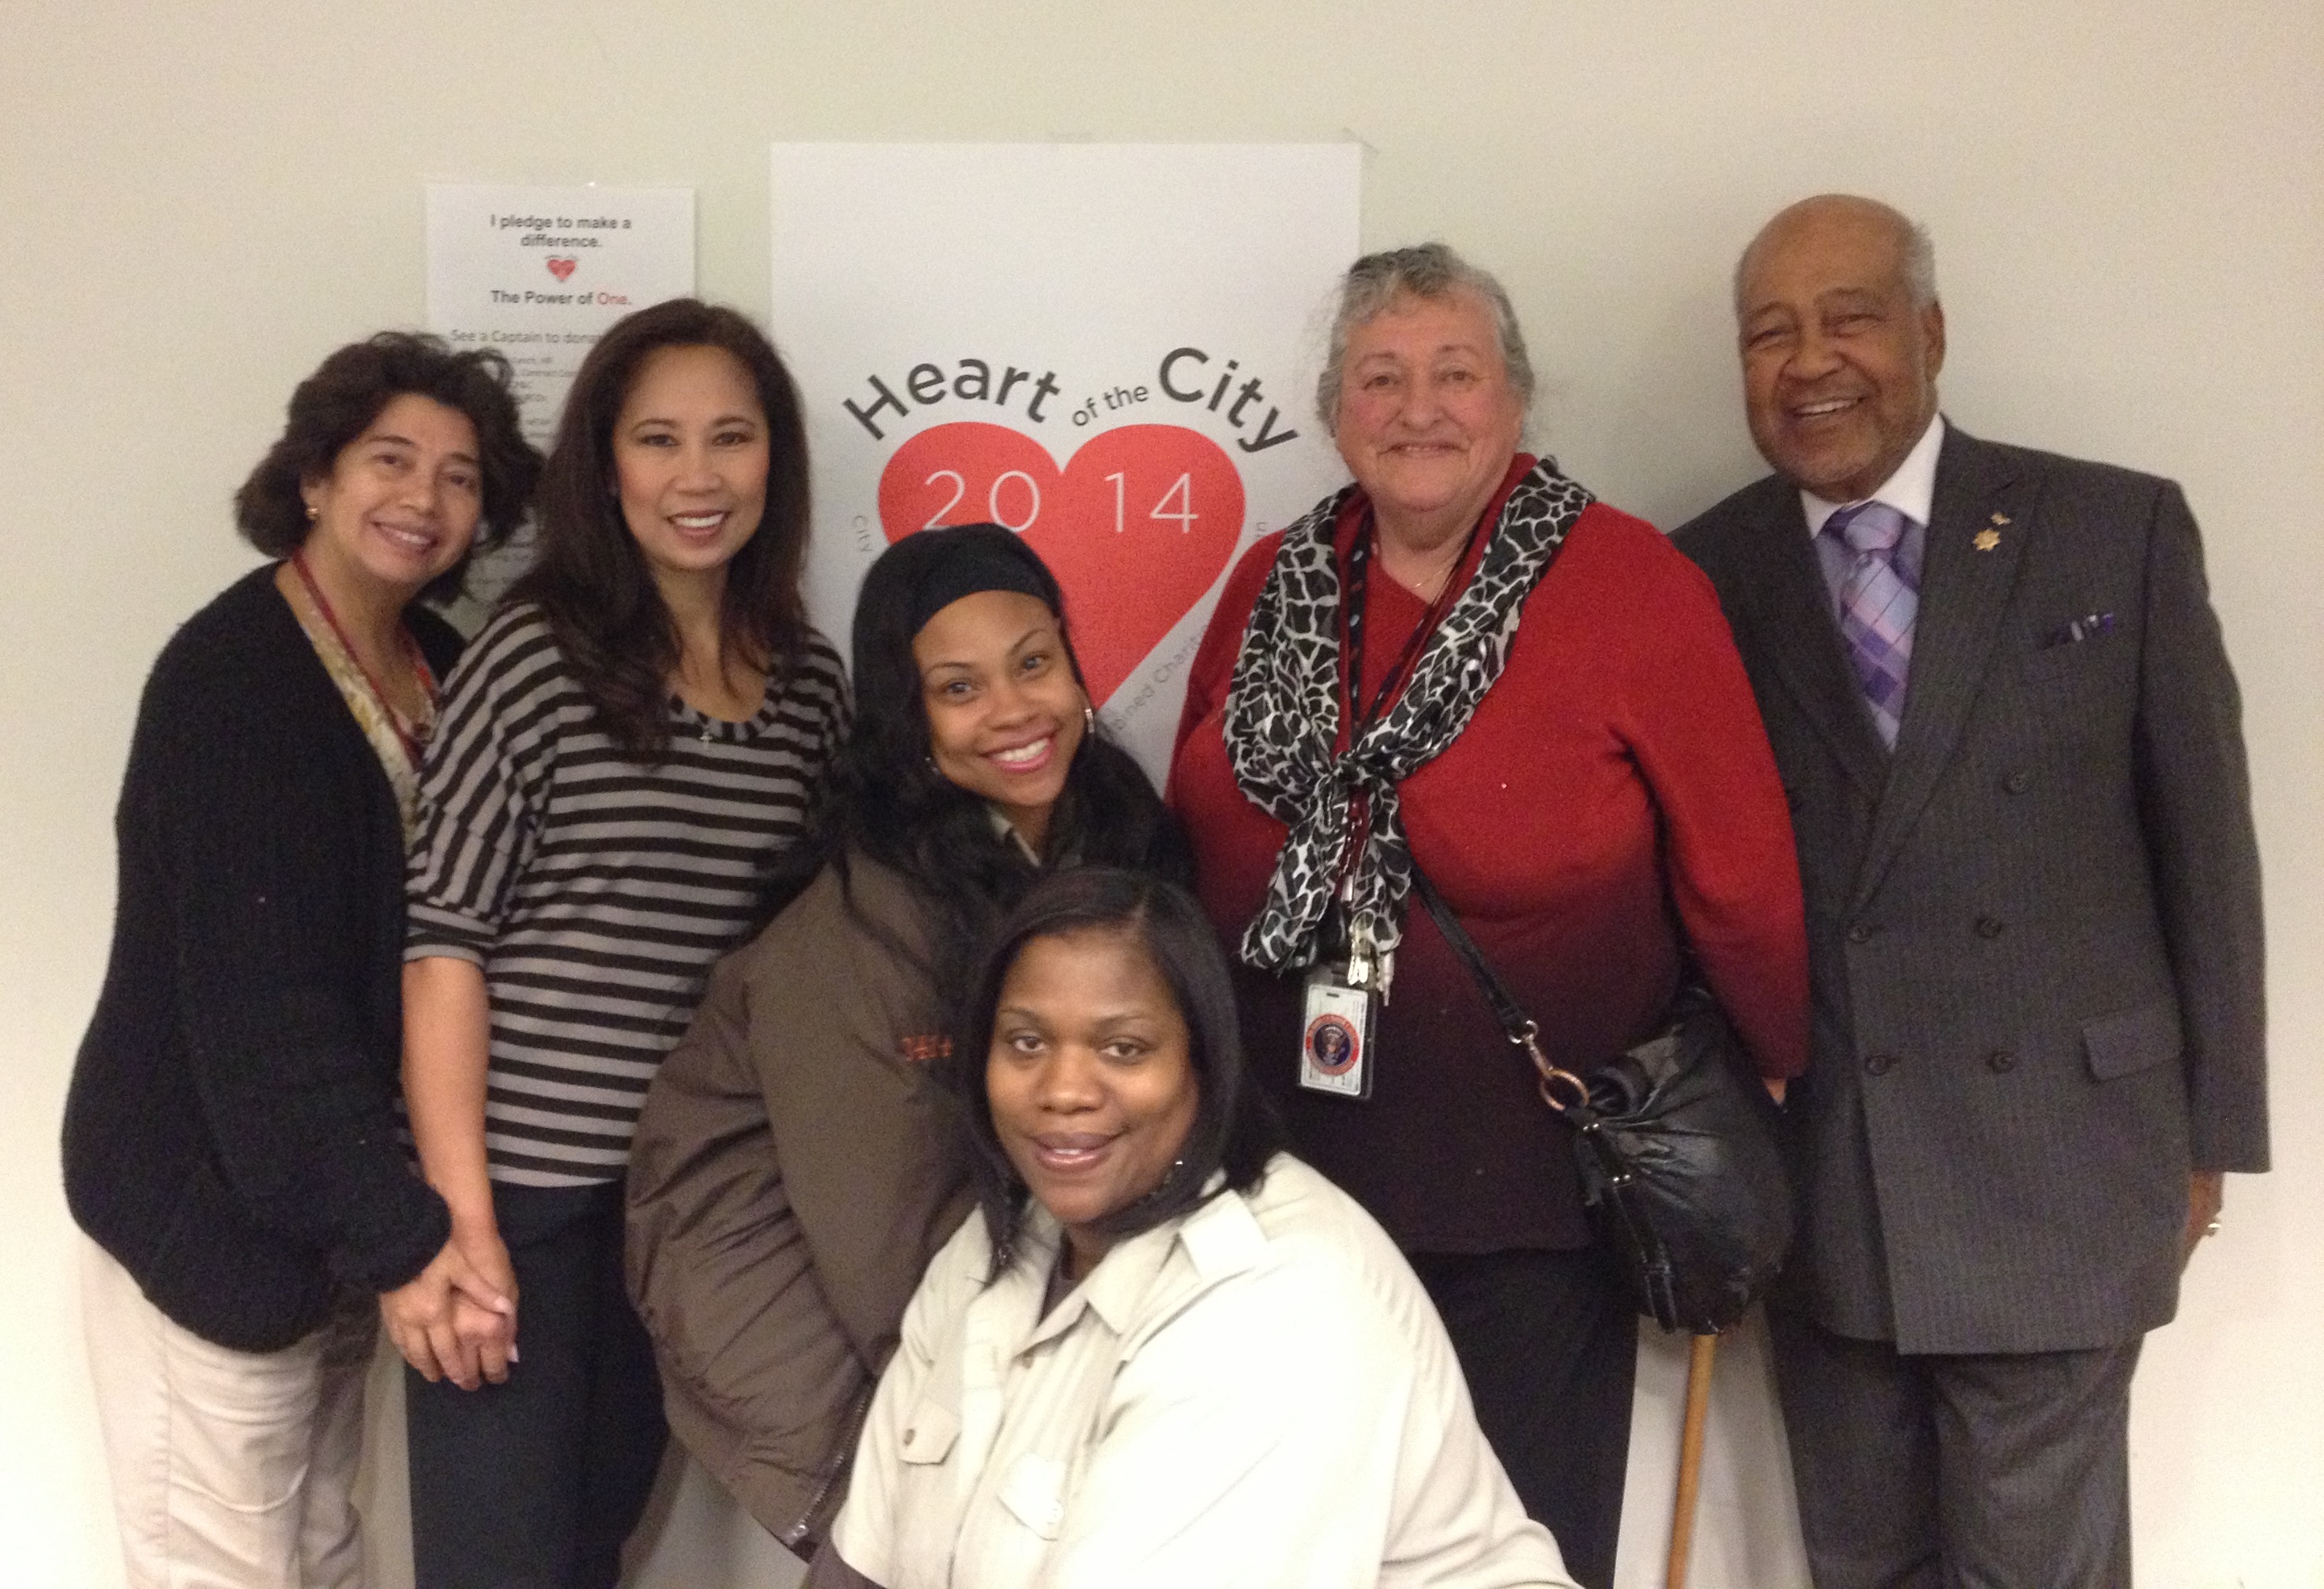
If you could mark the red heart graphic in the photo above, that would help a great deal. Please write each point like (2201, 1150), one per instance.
(1136, 527)
(562, 268)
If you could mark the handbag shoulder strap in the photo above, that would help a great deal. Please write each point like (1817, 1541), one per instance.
(1562, 1090)
(1514, 1021)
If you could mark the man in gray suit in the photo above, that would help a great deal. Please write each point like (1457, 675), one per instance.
(1999, 702)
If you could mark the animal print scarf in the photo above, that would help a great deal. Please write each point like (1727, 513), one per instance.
(1283, 713)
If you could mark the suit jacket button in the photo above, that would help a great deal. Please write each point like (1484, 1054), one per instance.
(2019, 782)
(1989, 927)
(1861, 934)
(1880, 1064)
(2001, 1062)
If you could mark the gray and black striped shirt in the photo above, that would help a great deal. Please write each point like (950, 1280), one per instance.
(594, 891)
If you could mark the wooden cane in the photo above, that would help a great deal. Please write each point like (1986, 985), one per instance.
(1689, 1459)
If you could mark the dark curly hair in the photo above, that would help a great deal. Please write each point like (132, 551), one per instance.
(347, 392)
(591, 582)
(883, 798)
(1236, 1128)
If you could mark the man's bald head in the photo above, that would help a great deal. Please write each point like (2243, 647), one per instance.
(1842, 336)
(1914, 250)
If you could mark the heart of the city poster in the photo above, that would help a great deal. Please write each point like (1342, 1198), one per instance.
(1137, 526)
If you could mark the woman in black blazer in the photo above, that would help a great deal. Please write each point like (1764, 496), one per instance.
(230, 1144)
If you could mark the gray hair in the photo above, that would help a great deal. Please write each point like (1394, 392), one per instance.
(1431, 271)
(1912, 240)
(1920, 265)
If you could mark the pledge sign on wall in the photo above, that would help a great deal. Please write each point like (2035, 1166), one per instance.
(1108, 351)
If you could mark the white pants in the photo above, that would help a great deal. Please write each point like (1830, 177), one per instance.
(231, 1470)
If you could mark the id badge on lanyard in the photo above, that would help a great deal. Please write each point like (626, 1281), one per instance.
(1339, 1016)
(1345, 991)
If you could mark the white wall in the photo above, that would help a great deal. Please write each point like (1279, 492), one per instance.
(196, 202)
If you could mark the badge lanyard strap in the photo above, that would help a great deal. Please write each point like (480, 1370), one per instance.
(1359, 587)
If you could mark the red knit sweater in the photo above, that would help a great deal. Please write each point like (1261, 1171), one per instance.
(1621, 738)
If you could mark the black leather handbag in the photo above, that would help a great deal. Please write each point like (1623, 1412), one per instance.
(1675, 1141)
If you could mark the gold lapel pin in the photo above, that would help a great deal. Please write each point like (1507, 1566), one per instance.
(1987, 539)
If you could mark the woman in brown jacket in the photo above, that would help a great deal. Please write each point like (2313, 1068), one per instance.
(794, 1169)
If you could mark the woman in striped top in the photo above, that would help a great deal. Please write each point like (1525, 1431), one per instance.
(619, 779)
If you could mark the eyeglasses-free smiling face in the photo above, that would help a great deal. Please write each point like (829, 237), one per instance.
(1091, 1079)
(690, 461)
(1839, 365)
(1003, 707)
(1427, 419)
(400, 502)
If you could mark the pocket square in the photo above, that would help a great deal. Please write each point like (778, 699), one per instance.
(2088, 626)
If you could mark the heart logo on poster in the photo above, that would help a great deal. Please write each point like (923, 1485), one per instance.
(562, 269)
(1137, 526)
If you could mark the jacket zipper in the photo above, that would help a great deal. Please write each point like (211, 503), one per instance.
(812, 1523)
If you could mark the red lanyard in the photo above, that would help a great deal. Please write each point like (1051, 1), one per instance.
(420, 669)
(1359, 587)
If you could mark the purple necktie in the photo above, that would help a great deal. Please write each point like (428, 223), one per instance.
(1876, 604)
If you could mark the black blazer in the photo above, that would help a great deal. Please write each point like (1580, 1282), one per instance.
(2034, 929)
(230, 1134)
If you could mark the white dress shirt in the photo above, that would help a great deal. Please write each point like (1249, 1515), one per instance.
(1910, 490)
(1256, 1394)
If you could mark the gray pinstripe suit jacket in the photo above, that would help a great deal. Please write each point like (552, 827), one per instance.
(2034, 930)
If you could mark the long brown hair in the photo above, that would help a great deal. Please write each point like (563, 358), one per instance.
(591, 582)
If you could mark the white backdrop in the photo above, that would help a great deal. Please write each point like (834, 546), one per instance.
(196, 202)
(1132, 283)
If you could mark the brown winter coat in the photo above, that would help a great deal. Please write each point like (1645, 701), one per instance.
(794, 1171)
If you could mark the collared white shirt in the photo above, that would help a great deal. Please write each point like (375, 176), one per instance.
(1912, 490)
(1257, 1394)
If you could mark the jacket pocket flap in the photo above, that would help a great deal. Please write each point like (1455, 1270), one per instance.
(1035, 1493)
(2132, 1041)
(929, 1434)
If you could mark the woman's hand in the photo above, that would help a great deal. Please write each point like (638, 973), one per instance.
(493, 1330)
(456, 1319)
(447, 1037)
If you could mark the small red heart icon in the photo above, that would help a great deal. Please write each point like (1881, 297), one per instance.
(562, 268)
(1136, 527)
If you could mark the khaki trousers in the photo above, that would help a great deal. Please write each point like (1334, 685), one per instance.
(231, 1470)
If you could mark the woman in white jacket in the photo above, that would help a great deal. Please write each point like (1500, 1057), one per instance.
(1163, 1352)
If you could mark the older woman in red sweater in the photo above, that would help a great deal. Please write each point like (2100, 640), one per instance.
(1465, 663)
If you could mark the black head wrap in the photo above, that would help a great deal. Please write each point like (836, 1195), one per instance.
(957, 560)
